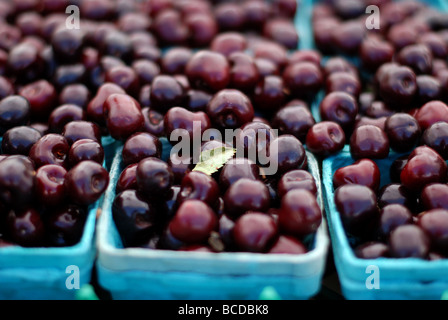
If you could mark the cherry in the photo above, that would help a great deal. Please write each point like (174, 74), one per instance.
(236, 169)
(153, 122)
(391, 217)
(41, 96)
(19, 140)
(372, 250)
(79, 129)
(229, 42)
(95, 108)
(134, 218)
(85, 149)
(403, 131)
(254, 139)
(294, 119)
(418, 57)
(179, 120)
(51, 148)
(409, 241)
(86, 182)
(197, 185)
(325, 138)
(230, 16)
(363, 172)
(255, 232)
(375, 52)
(287, 245)
(208, 70)
(299, 214)
(424, 166)
(434, 196)
(62, 115)
(398, 85)
(67, 44)
(166, 92)
(286, 153)
(64, 226)
(429, 88)
(123, 116)
(230, 109)
(343, 82)
(396, 193)
(16, 181)
(154, 178)
(127, 179)
(125, 77)
(296, 179)
(339, 107)
(244, 75)
(369, 141)
(435, 224)
(193, 222)
(26, 228)
(49, 184)
(140, 145)
(358, 208)
(246, 195)
(303, 79)
(435, 137)
(281, 31)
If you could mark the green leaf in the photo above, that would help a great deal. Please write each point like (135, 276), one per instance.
(211, 160)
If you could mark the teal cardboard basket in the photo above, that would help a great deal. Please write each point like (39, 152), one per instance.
(399, 279)
(138, 273)
(48, 273)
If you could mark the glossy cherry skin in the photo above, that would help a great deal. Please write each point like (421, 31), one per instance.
(16, 181)
(363, 172)
(19, 140)
(369, 141)
(95, 107)
(154, 178)
(42, 97)
(409, 241)
(175, 59)
(230, 16)
(282, 31)
(198, 186)
(255, 232)
(325, 138)
(26, 227)
(227, 43)
(303, 79)
(424, 166)
(299, 213)
(434, 196)
(396, 193)
(127, 179)
(193, 222)
(286, 153)
(295, 120)
(435, 223)
(62, 115)
(403, 131)
(429, 88)
(253, 140)
(236, 169)
(296, 179)
(181, 121)
(339, 107)
(124, 76)
(140, 145)
(357, 205)
(418, 57)
(51, 148)
(65, 225)
(230, 109)
(372, 250)
(343, 82)
(208, 70)
(123, 116)
(396, 167)
(134, 217)
(430, 113)
(166, 92)
(375, 52)
(246, 195)
(85, 149)
(436, 137)
(86, 182)
(14, 111)
(392, 216)
(79, 129)
(287, 245)
(49, 184)
(398, 86)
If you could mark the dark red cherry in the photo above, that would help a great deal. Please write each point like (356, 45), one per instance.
(49, 184)
(288, 245)
(363, 172)
(19, 140)
(339, 107)
(286, 153)
(154, 178)
(127, 179)
(372, 250)
(26, 227)
(295, 119)
(296, 179)
(255, 232)
(409, 241)
(434, 196)
(403, 131)
(436, 137)
(325, 138)
(198, 186)
(435, 224)
(369, 141)
(391, 217)
(396, 193)
(236, 169)
(85, 149)
(51, 148)
(303, 79)
(430, 113)
(62, 115)
(79, 129)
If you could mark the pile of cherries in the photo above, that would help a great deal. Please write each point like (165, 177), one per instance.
(387, 89)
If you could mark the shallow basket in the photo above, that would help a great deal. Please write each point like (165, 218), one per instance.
(48, 273)
(408, 278)
(139, 273)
